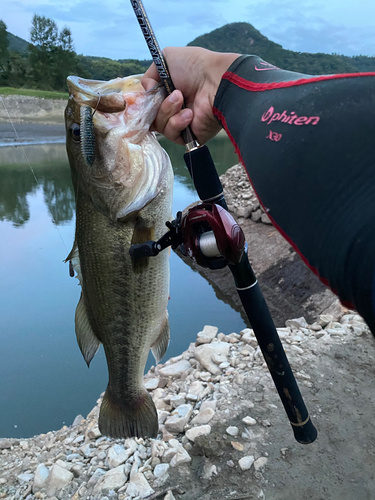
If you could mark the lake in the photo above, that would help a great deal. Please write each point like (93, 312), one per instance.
(44, 381)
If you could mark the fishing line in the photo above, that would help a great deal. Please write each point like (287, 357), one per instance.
(28, 162)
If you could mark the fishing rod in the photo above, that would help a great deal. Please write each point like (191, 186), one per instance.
(210, 235)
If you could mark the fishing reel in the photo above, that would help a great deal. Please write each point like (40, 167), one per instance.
(208, 234)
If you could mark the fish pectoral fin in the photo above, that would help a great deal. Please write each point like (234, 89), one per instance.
(73, 258)
(87, 340)
(160, 346)
(141, 234)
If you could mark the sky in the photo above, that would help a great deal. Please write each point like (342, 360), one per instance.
(108, 28)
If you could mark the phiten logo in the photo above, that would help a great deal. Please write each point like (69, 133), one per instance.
(292, 118)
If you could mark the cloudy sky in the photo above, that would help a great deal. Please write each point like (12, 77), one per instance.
(109, 28)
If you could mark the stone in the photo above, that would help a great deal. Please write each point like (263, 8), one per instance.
(324, 319)
(157, 448)
(40, 477)
(178, 399)
(179, 418)
(256, 215)
(58, 478)
(25, 478)
(265, 219)
(206, 335)
(237, 446)
(297, 322)
(203, 417)
(195, 391)
(232, 430)
(249, 421)
(151, 384)
(175, 369)
(181, 457)
(117, 455)
(246, 462)
(204, 353)
(260, 463)
(77, 420)
(138, 486)
(5, 444)
(111, 480)
(195, 432)
(161, 469)
(94, 433)
(169, 496)
(219, 358)
(87, 450)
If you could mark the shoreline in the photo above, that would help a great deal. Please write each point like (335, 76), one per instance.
(219, 414)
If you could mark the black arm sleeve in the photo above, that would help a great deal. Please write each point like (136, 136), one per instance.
(308, 145)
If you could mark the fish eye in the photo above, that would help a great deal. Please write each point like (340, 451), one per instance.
(75, 132)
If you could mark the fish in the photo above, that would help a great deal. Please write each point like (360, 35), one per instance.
(123, 183)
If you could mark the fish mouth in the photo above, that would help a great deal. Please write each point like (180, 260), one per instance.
(107, 97)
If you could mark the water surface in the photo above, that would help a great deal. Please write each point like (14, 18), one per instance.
(44, 381)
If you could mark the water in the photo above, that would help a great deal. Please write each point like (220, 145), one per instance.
(44, 381)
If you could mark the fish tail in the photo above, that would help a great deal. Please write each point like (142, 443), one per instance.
(136, 418)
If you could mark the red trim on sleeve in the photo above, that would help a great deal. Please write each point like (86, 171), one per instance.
(219, 115)
(261, 87)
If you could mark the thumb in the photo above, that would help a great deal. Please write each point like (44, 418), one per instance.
(150, 78)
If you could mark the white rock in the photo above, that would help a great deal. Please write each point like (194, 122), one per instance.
(265, 219)
(208, 404)
(195, 391)
(157, 448)
(224, 365)
(93, 433)
(117, 455)
(324, 319)
(58, 478)
(203, 417)
(297, 322)
(161, 469)
(246, 462)
(195, 432)
(232, 430)
(25, 478)
(181, 457)
(138, 486)
(249, 421)
(260, 463)
(40, 478)
(207, 335)
(204, 353)
(151, 384)
(219, 358)
(169, 496)
(175, 369)
(178, 399)
(178, 420)
(111, 480)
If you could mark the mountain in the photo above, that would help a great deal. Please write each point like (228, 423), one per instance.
(17, 44)
(245, 39)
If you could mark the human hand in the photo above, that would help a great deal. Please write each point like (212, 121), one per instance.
(196, 73)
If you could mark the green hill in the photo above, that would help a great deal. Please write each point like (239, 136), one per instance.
(245, 39)
(17, 44)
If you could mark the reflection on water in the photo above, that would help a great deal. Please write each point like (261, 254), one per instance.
(17, 181)
(44, 381)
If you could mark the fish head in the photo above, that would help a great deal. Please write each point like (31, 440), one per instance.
(114, 157)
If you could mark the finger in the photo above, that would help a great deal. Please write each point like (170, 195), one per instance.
(150, 78)
(176, 124)
(169, 107)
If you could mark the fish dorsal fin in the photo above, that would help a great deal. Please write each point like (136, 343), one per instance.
(160, 346)
(87, 340)
(73, 257)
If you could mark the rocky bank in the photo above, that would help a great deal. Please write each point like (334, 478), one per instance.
(223, 431)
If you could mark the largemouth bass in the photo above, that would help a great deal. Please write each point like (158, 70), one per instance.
(123, 183)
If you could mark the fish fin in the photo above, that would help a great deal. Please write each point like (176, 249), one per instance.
(137, 418)
(87, 340)
(73, 258)
(141, 234)
(160, 346)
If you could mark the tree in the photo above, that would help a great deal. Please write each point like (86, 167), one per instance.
(43, 37)
(4, 54)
